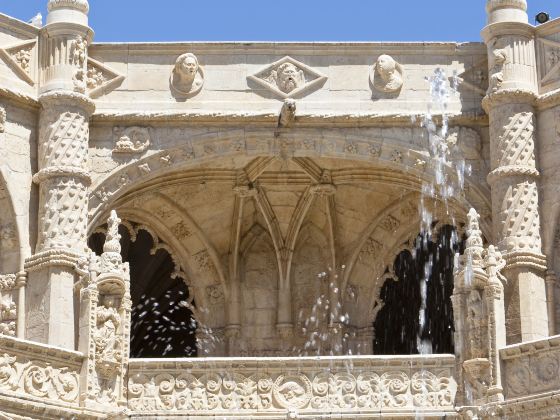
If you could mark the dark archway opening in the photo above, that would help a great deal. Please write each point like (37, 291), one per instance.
(162, 325)
(397, 327)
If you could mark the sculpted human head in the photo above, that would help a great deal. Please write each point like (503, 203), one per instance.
(387, 75)
(186, 67)
(386, 65)
(288, 77)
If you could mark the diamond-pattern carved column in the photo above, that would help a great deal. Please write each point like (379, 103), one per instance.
(514, 177)
(63, 177)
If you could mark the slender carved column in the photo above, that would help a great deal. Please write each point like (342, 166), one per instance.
(21, 283)
(63, 176)
(514, 176)
(494, 295)
(550, 289)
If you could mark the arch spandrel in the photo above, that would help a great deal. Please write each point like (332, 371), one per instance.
(402, 149)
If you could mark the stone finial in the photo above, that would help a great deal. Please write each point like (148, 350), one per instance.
(474, 245)
(68, 11)
(112, 241)
(506, 11)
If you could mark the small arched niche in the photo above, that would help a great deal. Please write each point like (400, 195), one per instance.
(162, 321)
(416, 314)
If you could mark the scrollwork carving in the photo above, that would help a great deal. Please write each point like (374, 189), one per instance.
(289, 391)
(38, 379)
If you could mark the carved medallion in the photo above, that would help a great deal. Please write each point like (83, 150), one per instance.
(187, 77)
(288, 77)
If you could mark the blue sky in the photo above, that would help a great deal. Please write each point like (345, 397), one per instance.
(296, 20)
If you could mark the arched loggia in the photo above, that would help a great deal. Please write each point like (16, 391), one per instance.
(162, 323)
(398, 327)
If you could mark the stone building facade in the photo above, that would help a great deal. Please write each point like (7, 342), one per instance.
(279, 230)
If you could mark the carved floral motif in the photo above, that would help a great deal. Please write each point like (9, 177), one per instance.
(38, 379)
(292, 391)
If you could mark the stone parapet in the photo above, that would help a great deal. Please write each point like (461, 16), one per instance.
(531, 368)
(345, 387)
(39, 373)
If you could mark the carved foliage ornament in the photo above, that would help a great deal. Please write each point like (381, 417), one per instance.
(234, 391)
(387, 74)
(288, 77)
(18, 57)
(38, 379)
(187, 77)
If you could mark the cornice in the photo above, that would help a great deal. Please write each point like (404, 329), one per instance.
(25, 29)
(62, 98)
(548, 100)
(508, 97)
(362, 119)
(292, 48)
(19, 98)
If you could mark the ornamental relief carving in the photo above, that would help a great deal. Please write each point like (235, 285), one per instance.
(38, 379)
(64, 140)
(288, 77)
(18, 57)
(131, 140)
(187, 77)
(292, 391)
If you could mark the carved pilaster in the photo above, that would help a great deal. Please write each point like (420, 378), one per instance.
(514, 176)
(105, 325)
(478, 308)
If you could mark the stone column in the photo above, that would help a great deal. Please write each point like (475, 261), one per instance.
(513, 180)
(63, 178)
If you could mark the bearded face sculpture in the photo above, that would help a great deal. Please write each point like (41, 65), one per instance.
(387, 74)
(289, 78)
(187, 77)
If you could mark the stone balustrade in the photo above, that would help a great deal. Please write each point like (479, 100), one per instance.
(531, 368)
(350, 387)
(39, 373)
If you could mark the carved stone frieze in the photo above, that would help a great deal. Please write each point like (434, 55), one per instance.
(38, 379)
(288, 77)
(131, 140)
(367, 389)
(532, 368)
(387, 75)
